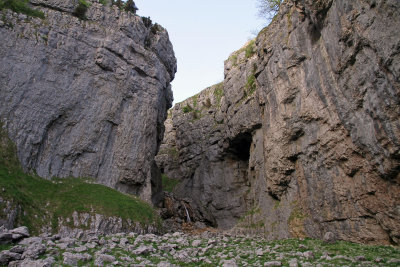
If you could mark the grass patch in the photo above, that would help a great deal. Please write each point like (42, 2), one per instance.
(186, 109)
(168, 184)
(234, 59)
(196, 113)
(249, 214)
(21, 6)
(219, 92)
(250, 49)
(43, 201)
(250, 86)
(6, 246)
(194, 99)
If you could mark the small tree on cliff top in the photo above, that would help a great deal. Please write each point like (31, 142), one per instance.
(268, 8)
(130, 6)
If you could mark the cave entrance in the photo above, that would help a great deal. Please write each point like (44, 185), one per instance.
(239, 147)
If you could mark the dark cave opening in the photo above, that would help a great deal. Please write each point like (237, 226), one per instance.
(239, 147)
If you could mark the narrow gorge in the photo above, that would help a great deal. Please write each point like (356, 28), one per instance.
(300, 139)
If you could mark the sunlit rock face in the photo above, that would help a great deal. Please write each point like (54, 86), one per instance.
(302, 137)
(86, 97)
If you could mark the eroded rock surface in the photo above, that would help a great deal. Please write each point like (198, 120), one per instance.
(86, 98)
(302, 137)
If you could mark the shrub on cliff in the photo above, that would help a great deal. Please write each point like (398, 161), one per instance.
(81, 8)
(21, 6)
(130, 6)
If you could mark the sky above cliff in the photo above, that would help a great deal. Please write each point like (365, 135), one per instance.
(204, 34)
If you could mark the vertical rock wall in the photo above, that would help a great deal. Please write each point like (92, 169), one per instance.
(86, 98)
(305, 138)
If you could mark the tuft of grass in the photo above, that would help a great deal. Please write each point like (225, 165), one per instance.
(186, 109)
(250, 86)
(21, 6)
(250, 49)
(6, 246)
(168, 184)
(234, 59)
(219, 92)
(194, 99)
(42, 201)
(103, 2)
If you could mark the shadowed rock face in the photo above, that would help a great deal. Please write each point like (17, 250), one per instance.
(305, 139)
(86, 98)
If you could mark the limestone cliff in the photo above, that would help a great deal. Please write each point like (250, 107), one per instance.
(87, 96)
(302, 137)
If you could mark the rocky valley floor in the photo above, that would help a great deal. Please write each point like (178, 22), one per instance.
(179, 249)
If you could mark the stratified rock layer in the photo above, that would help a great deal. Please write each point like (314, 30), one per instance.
(302, 137)
(86, 98)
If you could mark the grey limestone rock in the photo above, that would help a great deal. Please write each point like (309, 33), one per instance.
(19, 233)
(196, 243)
(165, 264)
(34, 251)
(100, 259)
(302, 137)
(293, 263)
(5, 238)
(31, 240)
(73, 258)
(87, 98)
(329, 237)
(229, 263)
(18, 249)
(273, 263)
(7, 256)
(143, 250)
(48, 262)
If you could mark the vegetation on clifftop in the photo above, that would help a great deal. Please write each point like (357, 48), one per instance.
(249, 50)
(43, 202)
(21, 6)
(268, 8)
(81, 8)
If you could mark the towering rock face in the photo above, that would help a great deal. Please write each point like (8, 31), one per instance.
(302, 137)
(86, 98)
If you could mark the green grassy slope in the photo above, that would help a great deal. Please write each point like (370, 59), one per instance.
(43, 201)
